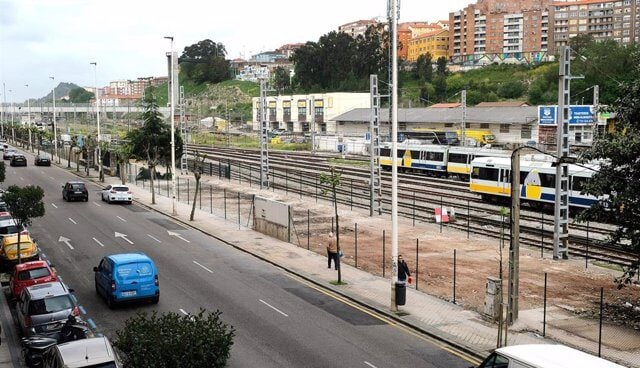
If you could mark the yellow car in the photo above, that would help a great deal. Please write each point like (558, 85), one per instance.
(28, 249)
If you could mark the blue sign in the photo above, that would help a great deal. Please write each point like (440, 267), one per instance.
(578, 114)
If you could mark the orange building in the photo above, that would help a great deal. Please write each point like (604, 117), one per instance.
(436, 43)
(409, 30)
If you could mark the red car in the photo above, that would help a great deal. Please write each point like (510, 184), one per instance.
(30, 273)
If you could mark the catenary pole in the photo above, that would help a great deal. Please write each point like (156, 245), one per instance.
(173, 147)
(394, 150)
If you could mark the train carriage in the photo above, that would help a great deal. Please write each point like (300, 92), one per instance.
(491, 178)
(430, 159)
(460, 158)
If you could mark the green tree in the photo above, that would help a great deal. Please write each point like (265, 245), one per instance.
(80, 95)
(423, 71)
(441, 66)
(205, 62)
(172, 340)
(440, 87)
(24, 203)
(198, 169)
(281, 79)
(511, 89)
(333, 180)
(616, 180)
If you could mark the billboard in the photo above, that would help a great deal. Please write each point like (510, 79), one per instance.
(578, 115)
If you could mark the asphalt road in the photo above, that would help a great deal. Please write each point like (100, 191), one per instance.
(280, 321)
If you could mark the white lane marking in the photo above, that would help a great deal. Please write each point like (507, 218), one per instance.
(51, 177)
(54, 205)
(66, 241)
(72, 220)
(121, 219)
(98, 241)
(274, 308)
(21, 178)
(154, 238)
(171, 233)
(183, 312)
(96, 203)
(42, 172)
(206, 269)
(369, 364)
(123, 236)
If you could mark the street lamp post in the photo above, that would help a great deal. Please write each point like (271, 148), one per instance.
(55, 132)
(95, 80)
(13, 132)
(173, 148)
(29, 118)
(4, 113)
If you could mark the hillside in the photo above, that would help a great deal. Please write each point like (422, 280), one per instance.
(62, 91)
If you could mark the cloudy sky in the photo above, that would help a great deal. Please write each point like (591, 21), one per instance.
(59, 38)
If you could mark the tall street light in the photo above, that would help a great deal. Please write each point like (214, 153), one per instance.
(95, 80)
(173, 148)
(4, 106)
(55, 130)
(29, 116)
(13, 132)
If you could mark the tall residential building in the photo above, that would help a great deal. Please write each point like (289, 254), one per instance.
(357, 28)
(410, 30)
(436, 43)
(602, 19)
(500, 31)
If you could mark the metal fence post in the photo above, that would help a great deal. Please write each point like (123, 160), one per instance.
(308, 229)
(332, 220)
(188, 191)
(316, 188)
(544, 308)
(600, 324)
(542, 235)
(454, 276)
(178, 191)
(356, 243)
(300, 180)
(238, 210)
(586, 256)
(383, 251)
(199, 190)
(286, 182)
(468, 218)
(225, 203)
(417, 260)
(414, 208)
(441, 215)
(351, 195)
(211, 199)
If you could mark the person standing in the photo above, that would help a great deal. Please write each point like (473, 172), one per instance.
(332, 251)
(403, 270)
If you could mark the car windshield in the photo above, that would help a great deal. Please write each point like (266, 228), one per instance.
(50, 305)
(77, 186)
(35, 273)
(120, 189)
(11, 229)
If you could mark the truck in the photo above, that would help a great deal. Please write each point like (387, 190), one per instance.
(481, 136)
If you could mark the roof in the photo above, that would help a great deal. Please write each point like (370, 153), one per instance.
(477, 115)
(30, 265)
(502, 104)
(430, 34)
(13, 239)
(49, 288)
(86, 352)
(446, 104)
(555, 356)
(129, 257)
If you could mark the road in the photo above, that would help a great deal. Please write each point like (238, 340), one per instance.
(280, 321)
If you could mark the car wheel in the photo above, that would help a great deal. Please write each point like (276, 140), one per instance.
(102, 197)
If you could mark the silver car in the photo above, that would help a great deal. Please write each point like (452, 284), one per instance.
(92, 352)
(43, 309)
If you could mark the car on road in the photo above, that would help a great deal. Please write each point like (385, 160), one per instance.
(95, 352)
(117, 193)
(9, 252)
(42, 160)
(9, 226)
(44, 308)
(8, 153)
(73, 190)
(5, 215)
(127, 277)
(18, 159)
(29, 274)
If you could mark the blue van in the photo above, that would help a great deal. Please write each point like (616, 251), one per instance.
(125, 277)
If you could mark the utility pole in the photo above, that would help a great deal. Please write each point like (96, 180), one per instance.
(596, 102)
(514, 245)
(29, 117)
(55, 130)
(95, 80)
(264, 131)
(463, 98)
(375, 188)
(394, 149)
(4, 106)
(174, 212)
(312, 110)
(561, 209)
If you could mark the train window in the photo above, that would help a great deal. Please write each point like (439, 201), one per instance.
(415, 154)
(385, 152)
(506, 176)
(435, 156)
(487, 173)
(459, 158)
(578, 183)
(548, 180)
(475, 173)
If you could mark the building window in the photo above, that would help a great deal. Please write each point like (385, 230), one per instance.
(504, 128)
(525, 132)
(484, 126)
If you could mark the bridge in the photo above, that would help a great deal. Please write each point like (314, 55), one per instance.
(42, 111)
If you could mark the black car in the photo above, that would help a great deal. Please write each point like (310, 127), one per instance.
(42, 160)
(18, 160)
(73, 190)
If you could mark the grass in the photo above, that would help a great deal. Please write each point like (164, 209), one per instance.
(341, 162)
(608, 266)
(336, 283)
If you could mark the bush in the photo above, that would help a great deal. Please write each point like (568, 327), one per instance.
(175, 341)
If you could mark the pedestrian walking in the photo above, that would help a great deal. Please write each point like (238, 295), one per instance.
(403, 270)
(332, 251)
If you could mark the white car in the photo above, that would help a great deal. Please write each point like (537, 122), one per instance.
(117, 193)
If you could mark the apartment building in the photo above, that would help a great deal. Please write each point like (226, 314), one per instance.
(500, 31)
(358, 27)
(410, 30)
(602, 19)
(436, 43)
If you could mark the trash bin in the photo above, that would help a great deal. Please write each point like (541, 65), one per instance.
(401, 293)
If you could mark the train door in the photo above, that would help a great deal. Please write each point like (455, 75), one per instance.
(406, 159)
(504, 181)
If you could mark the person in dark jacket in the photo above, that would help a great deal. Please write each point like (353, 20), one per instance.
(403, 270)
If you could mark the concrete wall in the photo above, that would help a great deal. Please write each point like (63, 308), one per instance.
(272, 218)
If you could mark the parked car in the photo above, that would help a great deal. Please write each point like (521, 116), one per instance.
(8, 153)
(117, 193)
(543, 356)
(43, 309)
(9, 226)
(5, 215)
(28, 249)
(125, 277)
(29, 274)
(73, 190)
(18, 159)
(91, 352)
(42, 160)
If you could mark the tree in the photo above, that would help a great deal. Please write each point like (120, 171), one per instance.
(24, 204)
(205, 62)
(333, 179)
(176, 341)
(281, 79)
(197, 174)
(616, 180)
(74, 143)
(423, 69)
(441, 66)
(511, 89)
(80, 95)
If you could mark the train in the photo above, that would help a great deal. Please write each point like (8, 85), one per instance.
(436, 160)
(491, 178)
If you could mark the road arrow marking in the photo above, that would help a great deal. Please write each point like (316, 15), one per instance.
(171, 233)
(51, 177)
(121, 219)
(123, 236)
(97, 241)
(66, 241)
(54, 205)
(70, 219)
(154, 238)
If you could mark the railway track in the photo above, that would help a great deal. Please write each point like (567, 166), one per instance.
(417, 199)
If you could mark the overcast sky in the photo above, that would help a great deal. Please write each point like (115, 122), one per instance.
(59, 38)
